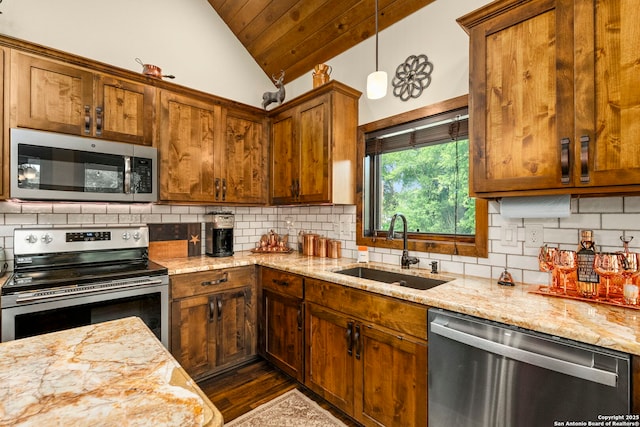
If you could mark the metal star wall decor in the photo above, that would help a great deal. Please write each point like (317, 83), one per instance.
(412, 77)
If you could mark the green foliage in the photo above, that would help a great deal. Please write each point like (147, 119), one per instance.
(421, 184)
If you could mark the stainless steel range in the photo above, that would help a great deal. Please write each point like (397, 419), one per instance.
(66, 278)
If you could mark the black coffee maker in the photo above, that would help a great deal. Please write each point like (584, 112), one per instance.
(218, 230)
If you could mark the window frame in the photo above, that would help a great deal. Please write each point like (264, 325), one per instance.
(474, 246)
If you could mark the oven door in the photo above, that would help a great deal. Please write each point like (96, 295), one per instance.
(150, 303)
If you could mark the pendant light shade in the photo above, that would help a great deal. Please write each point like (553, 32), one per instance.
(377, 85)
(377, 81)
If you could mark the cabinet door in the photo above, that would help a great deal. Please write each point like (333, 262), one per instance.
(330, 356)
(192, 334)
(186, 148)
(52, 96)
(284, 159)
(283, 334)
(313, 175)
(607, 92)
(4, 137)
(124, 111)
(521, 80)
(243, 160)
(235, 326)
(391, 379)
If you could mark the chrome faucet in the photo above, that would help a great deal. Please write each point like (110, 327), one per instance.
(406, 260)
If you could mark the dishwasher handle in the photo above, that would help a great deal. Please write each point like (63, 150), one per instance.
(439, 326)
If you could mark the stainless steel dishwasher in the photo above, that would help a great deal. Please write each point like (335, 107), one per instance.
(487, 374)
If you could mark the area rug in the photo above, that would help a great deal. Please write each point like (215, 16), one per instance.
(292, 409)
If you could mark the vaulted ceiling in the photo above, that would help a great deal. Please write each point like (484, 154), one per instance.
(295, 35)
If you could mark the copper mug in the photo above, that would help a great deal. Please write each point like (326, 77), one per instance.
(321, 74)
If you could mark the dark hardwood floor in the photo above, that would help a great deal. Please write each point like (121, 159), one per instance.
(238, 391)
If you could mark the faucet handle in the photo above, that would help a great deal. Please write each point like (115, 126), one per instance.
(434, 267)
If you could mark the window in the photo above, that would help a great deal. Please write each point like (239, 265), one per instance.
(420, 168)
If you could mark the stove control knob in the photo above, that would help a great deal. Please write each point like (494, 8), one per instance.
(31, 238)
(126, 235)
(136, 236)
(46, 238)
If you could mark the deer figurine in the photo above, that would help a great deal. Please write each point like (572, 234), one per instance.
(277, 96)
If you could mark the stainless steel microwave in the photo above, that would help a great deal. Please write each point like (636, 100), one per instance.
(53, 166)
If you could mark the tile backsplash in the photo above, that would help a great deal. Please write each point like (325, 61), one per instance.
(608, 217)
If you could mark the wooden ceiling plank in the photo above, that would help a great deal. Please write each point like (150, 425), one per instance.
(266, 20)
(331, 47)
(297, 15)
(247, 14)
(304, 33)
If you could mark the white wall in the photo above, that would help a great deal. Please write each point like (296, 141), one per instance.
(185, 38)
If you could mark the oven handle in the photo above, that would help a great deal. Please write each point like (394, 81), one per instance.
(75, 290)
(439, 326)
(223, 279)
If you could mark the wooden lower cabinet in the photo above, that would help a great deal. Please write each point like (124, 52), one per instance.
(376, 374)
(282, 317)
(213, 319)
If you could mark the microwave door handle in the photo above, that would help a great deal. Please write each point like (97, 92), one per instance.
(127, 174)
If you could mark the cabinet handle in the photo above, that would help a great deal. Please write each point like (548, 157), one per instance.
(216, 184)
(584, 158)
(212, 309)
(224, 278)
(297, 188)
(98, 120)
(280, 282)
(293, 188)
(564, 159)
(87, 119)
(219, 304)
(224, 189)
(348, 335)
(300, 317)
(358, 343)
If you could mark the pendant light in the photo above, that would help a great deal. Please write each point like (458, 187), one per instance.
(377, 81)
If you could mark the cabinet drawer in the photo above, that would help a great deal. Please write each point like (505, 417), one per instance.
(205, 282)
(401, 316)
(281, 282)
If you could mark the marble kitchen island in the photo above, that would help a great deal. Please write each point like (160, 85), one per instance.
(109, 374)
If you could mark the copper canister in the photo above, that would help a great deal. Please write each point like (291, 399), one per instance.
(321, 247)
(309, 244)
(334, 249)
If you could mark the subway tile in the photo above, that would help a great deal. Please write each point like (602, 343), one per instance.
(581, 221)
(94, 208)
(151, 218)
(37, 208)
(10, 207)
(46, 218)
(178, 209)
(121, 208)
(106, 218)
(620, 221)
(632, 204)
(477, 270)
(168, 218)
(80, 218)
(67, 208)
(140, 208)
(160, 209)
(600, 204)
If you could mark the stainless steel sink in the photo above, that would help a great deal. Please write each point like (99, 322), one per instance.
(414, 282)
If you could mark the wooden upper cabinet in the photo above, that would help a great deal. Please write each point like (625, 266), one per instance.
(128, 110)
(607, 88)
(57, 97)
(186, 148)
(210, 153)
(242, 159)
(555, 99)
(313, 151)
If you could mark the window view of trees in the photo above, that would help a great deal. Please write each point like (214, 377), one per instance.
(427, 185)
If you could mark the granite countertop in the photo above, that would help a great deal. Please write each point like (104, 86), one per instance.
(616, 328)
(109, 374)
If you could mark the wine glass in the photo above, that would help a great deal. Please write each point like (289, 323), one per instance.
(545, 263)
(565, 261)
(607, 265)
(629, 269)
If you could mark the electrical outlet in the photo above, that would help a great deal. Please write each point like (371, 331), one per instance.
(533, 235)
